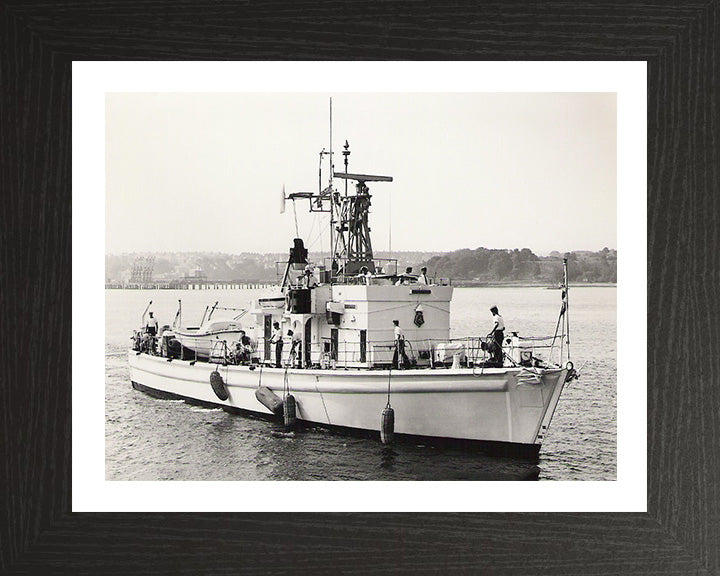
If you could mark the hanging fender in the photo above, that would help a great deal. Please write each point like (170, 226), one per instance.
(218, 385)
(270, 400)
(387, 425)
(290, 411)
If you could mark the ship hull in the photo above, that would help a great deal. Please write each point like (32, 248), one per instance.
(495, 406)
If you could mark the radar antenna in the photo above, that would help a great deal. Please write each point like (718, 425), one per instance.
(353, 246)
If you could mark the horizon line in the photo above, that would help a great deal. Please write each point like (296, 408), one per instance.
(375, 251)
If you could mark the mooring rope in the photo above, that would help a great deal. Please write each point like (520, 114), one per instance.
(388, 394)
(317, 380)
(552, 347)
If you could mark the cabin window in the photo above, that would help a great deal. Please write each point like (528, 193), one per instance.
(267, 327)
(334, 343)
(308, 333)
(299, 301)
(363, 345)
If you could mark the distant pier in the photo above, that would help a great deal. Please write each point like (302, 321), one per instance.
(224, 286)
(181, 285)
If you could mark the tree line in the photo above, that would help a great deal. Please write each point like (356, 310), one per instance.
(482, 265)
(523, 265)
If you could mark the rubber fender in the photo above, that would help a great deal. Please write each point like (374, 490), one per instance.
(174, 348)
(290, 411)
(387, 425)
(218, 385)
(270, 400)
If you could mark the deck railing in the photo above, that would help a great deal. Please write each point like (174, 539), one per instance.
(339, 354)
(335, 353)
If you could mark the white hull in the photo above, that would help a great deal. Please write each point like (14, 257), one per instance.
(461, 404)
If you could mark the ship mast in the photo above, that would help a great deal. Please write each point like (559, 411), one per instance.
(350, 244)
(332, 200)
(567, 306)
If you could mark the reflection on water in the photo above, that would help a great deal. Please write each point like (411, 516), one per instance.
(387, 457)
(151, 439)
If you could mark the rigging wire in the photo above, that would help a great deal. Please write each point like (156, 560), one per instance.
(322, 232)
(297, 234)
(389, 378)
(390, 225)
(314, 220)
(319, 235)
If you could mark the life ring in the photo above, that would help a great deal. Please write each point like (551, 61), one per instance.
(218, 385)
(571, 374)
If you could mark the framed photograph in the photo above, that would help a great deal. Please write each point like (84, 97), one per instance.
(457, 205)
(561, 123)
(72, 448)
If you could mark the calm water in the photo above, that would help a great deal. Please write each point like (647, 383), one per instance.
(150, 439)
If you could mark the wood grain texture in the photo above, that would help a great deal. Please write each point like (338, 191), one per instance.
(681, 532)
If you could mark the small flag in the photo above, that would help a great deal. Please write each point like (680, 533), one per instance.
(282, 201)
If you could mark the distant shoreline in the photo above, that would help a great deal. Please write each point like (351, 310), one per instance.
(520, 284)
(458, 284)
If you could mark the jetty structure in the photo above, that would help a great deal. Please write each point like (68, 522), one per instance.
(340, 362)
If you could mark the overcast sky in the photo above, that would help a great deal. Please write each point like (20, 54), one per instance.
(204, 172)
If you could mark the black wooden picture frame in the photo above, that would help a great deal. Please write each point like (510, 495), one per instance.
(680, 533)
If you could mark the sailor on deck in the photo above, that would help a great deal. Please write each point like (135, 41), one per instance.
(151, 328)
(365, 275)
(423, 279)
(277, 339)
(296, 348)
(497, 333)
(152, 325)
(243, 348)
(310, 281)
(399, 347)
(406, 278)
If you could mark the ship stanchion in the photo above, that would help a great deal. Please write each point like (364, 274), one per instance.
(387, 421)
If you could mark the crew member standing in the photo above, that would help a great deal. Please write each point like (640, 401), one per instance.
(310, 280)
(364, 275)
(406, 278)
(151, 327)
(277, 339)
(295, 349)
(497, 334)
(423, 279)
(399, 347)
